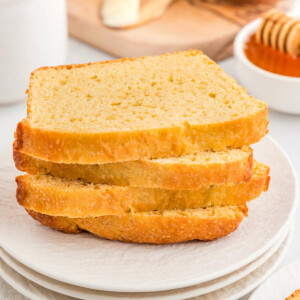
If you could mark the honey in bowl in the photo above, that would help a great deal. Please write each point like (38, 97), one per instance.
(271, 60)
(275, 47)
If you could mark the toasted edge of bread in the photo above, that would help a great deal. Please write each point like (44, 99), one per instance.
(155, 227)
(176, 175)
(76, 199)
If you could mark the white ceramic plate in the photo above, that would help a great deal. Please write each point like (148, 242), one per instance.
(250, 282)
(231, 292)
(184, 293)
(281, 284)
(91, 262)
(26, 287)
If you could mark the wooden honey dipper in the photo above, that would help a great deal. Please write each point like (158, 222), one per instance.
(279, 31)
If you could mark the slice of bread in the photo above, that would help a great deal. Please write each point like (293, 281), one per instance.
(76, 199)
(159, 227)
(190, 171)
(131, 109)
(294, 296)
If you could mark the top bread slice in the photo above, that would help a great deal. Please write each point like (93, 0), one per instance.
(131, 109)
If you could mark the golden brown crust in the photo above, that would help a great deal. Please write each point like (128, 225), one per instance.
(294, 296)
(117, 146)
(149, 228)
(146, 173)
(74, 199)
(91, 148)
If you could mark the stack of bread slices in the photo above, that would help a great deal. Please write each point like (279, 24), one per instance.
(148, 150)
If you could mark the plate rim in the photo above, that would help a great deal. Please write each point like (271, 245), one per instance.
(193, 293)
(281, 270)
(269, 272)
(239, 294)
(18, 287)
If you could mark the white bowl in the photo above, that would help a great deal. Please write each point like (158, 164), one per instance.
(281, 92)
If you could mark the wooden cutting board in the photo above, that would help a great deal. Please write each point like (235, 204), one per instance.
(208, 25)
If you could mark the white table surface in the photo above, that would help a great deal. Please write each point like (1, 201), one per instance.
(284, 128)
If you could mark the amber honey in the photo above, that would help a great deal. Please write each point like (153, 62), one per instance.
(271, 60)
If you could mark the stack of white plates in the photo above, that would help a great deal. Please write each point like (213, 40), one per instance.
(44, 264)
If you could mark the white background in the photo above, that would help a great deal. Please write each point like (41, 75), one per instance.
(283, 127)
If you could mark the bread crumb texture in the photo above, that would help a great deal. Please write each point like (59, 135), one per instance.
(136, 94)
(130, 109)
(160, 227)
